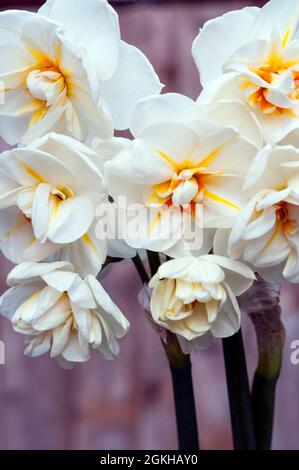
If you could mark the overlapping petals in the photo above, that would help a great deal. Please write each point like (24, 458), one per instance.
(252, 55)
(185, 172)
(47, 87)
(266, 233)
(65, 69)
(60, 312)
(125, 75)
(220, 173)
(49, 191)
(193, 297)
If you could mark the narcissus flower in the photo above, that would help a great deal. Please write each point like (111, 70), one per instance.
(266, 234)
(193, 296)
(184, 172)
(252, 55)
(65, 69)
(60, 312)
(49, 191)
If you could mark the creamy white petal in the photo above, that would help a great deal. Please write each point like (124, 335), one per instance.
(191, 269)
(94, 28)
(29, 271)
(174, 140)
(11, 300)
(167, 107)
(237, 275)
(227, 322)
(87, 254)
(133, 80)
(108, 309)
(70, 220)
(60, 337)
(12, 129)
(40, 211)
(283, 15)
(53, 316)
(216, 42)
(76, 351)
(230, 113)
(38, 345)
(261, 225)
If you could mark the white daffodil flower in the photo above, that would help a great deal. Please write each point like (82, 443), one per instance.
(49, 192)
(252, 55)
(185, 174)
(65, 69)
(60, 312)
(193, 297)
(266, 234)
(18, 244)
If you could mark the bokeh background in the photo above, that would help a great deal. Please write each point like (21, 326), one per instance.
(128, 403)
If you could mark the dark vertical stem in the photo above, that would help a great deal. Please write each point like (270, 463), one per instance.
(154, 261)
(263, 402)
(140, 269)
(181, 373)
(264, 384)
(239, 393)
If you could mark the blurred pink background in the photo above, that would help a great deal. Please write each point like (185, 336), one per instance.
(127, 403)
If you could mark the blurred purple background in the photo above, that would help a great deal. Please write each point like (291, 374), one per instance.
(127, 403)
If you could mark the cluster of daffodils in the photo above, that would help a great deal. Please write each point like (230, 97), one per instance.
(212, 184)
(67, 80)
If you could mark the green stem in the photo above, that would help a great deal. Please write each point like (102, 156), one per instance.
(264, 388)
(263, 403)
(181, 374)
(262, 304)
(238, 393)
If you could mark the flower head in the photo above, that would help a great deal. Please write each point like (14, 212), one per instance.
(49, 191)
(65, 69)
(181, 169)
(266, 233)
(60, 312)
(195, 296)
(252, 55)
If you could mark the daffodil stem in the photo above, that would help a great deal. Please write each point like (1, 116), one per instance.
(180, 369)
(141, 269)
(263, 403)
(181, 373)
(154, 261)
(239, 393)
(262, 305)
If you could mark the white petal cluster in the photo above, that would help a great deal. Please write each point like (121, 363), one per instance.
(267, 233)
(195, 296)
(49, 191)
(66, 69)
(60, 312)
(220, 173)
(180, 168)
(252, 56)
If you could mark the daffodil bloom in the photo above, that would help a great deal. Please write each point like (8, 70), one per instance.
(49, 191)
(266, 234)
(180, 168)
(18, 244)
(252, 55)
(65, 69)
(193, 297)
(60, 312)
